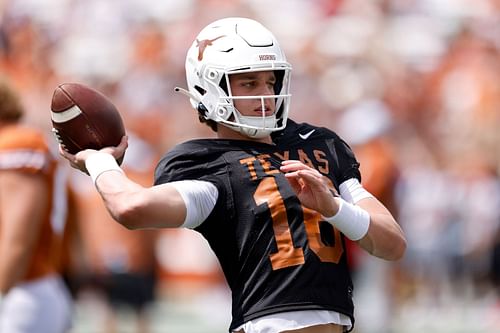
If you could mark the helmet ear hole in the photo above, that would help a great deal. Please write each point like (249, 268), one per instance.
(212, 74)
(222, 112)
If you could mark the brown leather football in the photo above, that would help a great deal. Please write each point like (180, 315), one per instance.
(83, 118)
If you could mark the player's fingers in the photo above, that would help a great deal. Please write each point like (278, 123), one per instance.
(285, 162)
(123, 143)
(294, 183)
(305, 178)
(311, 179)
(61, 151)
(294, 165)
(119, 150)
(310, 173)
(66, 154)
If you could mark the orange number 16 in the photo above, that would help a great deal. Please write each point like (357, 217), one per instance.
(267, 193)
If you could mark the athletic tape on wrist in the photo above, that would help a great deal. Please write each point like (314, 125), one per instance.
(352, 191)
(351, 220)
(99, 163)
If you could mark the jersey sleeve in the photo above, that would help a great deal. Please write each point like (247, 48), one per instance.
(186, 162)
(348, 166)
(182, 163)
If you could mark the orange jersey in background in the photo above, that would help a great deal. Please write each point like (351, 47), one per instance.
(25, 150)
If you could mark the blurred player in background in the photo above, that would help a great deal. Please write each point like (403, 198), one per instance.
(33, 297)
(263, 194)
(117, 265)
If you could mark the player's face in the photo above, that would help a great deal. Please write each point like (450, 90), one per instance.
(254, 84)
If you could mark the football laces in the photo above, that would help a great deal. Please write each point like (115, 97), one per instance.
(58, 138)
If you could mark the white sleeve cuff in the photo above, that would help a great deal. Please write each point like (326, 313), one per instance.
(199, 197)
(353, 192)
(99, 163)
(351, 220)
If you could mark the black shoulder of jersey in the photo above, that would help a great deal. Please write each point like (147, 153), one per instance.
(185, 160)
(195, 159)
(302, 134)
(299, 132)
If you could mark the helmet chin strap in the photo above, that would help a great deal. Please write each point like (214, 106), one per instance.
(265, 126)
(255, 133)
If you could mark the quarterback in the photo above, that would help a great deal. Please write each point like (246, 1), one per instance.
(275, 199)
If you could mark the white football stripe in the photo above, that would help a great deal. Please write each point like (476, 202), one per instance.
(64, 116)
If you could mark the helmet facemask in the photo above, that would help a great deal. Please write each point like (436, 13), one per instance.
(255, 126)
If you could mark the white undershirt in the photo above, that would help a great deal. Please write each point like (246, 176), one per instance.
(294, 320)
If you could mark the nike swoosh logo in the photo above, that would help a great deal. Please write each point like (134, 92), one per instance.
(306, 135)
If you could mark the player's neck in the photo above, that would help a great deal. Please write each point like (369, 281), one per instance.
(227, 133)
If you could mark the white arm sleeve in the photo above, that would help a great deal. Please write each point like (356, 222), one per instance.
(352, 191)
(200, 198)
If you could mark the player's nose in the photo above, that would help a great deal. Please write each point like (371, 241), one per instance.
(267, 90)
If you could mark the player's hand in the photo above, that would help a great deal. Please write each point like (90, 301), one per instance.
(310, 187)
(77, 160)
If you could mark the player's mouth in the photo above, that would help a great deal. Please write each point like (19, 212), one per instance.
(266, 111)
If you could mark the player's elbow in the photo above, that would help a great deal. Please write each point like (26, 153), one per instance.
(393, 244)
(128, 219)
(391, 247)
(398, 249)
(129, 213)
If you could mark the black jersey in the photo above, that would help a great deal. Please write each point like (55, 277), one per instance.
(276, 255)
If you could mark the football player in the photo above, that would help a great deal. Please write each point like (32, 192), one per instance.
(263, 193)
(33, 298)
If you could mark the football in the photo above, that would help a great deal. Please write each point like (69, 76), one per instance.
(83, 118)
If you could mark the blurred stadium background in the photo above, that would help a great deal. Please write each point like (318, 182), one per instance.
(412, 85)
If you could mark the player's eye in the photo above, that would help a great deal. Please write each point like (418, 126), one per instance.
(248, 84)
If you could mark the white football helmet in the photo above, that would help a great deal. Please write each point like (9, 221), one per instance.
(230, 46)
